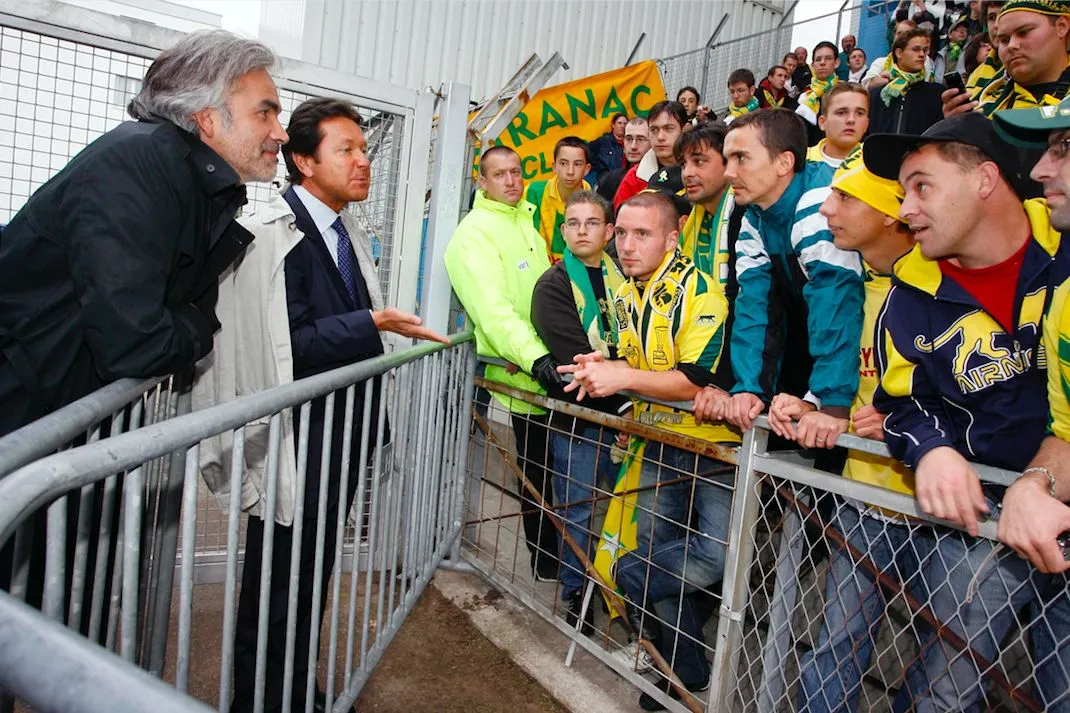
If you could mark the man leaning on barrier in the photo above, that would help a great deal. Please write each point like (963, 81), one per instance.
(110, 269)
(572, 310)
(963, 379)
(862, 212)
(304, 299)
(670, 320)
(1034, 514)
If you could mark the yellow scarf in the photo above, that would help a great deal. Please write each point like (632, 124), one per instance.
(750, 106)
(811, 98)
(1004, 93)
(697, 241)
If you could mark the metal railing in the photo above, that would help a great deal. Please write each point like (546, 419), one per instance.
(399, 452)
(799, 545)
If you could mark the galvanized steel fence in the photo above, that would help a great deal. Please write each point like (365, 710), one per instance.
(402, 452)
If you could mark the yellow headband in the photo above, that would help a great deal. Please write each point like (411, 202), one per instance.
(854, 179)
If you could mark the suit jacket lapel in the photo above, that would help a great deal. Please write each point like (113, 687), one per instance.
(307, 226)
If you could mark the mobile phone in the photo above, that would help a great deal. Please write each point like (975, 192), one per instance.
(1064, 545)
(953, 80)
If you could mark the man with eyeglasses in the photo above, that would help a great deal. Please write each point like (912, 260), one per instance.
(1034, 513)
(572, 310)
(636, 143)
(571, 164)
(824, 79)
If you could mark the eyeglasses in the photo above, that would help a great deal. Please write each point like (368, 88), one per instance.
(591, 225)
(1059, 149)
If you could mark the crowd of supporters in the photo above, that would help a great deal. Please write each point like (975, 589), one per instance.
(845, 249)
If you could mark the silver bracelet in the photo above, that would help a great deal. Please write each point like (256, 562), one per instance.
(1047, 474)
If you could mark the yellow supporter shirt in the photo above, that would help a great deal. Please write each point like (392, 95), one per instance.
(549, 214)
(1057, 350)
(676, 318)
(864, 467)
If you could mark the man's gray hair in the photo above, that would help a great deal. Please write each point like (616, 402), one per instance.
(198, 72)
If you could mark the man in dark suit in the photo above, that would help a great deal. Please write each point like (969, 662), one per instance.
(336, 313)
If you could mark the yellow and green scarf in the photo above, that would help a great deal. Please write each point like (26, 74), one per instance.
(619, 528)
(698, 241)
(899, 84)
(954, 51)
(1004, 93)
(596, 315)
(985, 73)
(752, 105)
(811, 98)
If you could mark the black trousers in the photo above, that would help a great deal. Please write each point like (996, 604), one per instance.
(533, 456)
(278, 603)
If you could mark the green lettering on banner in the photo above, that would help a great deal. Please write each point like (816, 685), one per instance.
(550, 119)
(543, 165)
(590, 108)
(613, 104)
(524, 168)
(641, 89)
(518, 126)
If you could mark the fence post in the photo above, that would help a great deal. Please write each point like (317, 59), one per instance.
(706, 54)
(446, 198)
(736, 589)
(839, 19)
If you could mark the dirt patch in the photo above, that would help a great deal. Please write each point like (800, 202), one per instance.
(440, 663)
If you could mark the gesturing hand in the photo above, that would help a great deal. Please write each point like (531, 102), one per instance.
(401, 322)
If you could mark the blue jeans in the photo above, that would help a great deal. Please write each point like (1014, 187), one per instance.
(580, 462)
(673, 560)
(830, 676)
(977, 593)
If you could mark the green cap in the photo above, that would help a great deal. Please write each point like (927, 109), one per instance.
(1029, 128)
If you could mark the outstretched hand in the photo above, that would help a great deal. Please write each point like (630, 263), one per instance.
(401, 322)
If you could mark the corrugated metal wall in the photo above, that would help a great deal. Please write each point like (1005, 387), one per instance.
(416, 43)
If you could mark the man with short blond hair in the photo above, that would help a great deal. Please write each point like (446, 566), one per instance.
(844, 119)
(670, 321)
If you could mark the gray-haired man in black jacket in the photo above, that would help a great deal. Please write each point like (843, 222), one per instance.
(110, 269)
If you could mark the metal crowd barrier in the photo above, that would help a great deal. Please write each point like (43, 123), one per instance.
(413, 481)
(918, 633)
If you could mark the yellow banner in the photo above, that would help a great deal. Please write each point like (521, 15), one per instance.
(582, 108)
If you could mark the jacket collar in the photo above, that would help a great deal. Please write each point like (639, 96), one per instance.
(648, 165)
(783, 211)
(212, 172)
(919, 272)
(482, 202)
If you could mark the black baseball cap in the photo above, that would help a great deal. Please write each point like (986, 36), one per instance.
(883, 153)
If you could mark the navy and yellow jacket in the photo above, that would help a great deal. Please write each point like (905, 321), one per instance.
(789, 269)
(951, 375)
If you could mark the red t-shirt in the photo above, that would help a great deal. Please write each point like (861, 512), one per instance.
(993, 287)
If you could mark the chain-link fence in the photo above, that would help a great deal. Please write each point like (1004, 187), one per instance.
(707, 69)
(777, 587)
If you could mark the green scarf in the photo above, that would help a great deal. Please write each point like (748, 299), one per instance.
(954, 51)
(752, 105)
(812, 96)
(594, 314)
(899, 84)
(704, 238)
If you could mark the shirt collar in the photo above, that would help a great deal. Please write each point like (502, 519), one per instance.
(321, 214)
